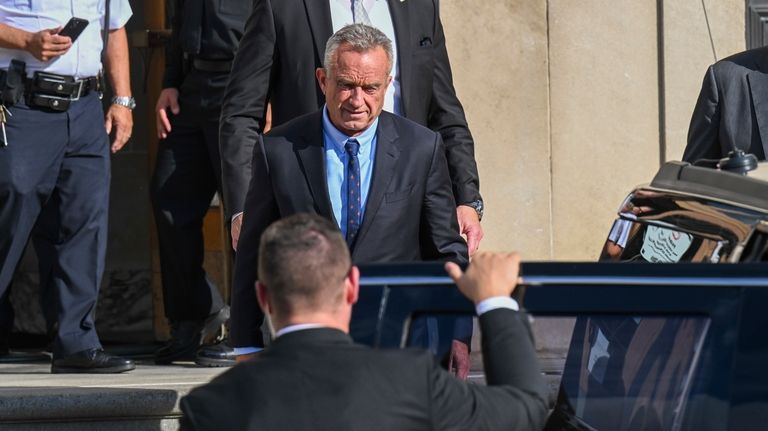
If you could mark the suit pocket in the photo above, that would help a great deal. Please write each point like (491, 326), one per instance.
(398, 195)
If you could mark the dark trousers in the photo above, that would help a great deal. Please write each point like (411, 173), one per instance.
(187, 175)
(54, 187)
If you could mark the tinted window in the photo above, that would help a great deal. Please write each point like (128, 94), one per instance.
(628, 373)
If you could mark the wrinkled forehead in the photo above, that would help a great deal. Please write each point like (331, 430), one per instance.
(352, 60)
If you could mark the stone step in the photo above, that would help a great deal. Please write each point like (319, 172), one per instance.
(144, 399)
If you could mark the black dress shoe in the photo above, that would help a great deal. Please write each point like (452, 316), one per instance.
(91, 361)
(186, 337)
(220, 354)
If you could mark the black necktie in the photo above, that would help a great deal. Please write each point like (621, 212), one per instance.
(354, 211)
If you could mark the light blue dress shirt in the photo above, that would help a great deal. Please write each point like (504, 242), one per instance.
(336, 166)
(84, 57)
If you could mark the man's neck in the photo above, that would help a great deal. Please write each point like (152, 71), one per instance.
(323, 320)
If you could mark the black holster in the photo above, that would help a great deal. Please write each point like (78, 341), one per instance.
(12, 83)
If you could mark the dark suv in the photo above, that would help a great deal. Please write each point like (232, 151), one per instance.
(675, 346)
(692, 369)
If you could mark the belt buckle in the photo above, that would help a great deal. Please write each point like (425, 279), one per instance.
(80, 83)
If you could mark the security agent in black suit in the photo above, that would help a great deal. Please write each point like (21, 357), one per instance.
(283, 44)
(314, 377)
(407, 210)
(732, 110)
(188, 167)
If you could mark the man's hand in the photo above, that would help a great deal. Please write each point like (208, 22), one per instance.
(168, 99)
(469, 225)
(489, 275)
(47, 44)
(458, 359)
(234, 229)
(121, 119)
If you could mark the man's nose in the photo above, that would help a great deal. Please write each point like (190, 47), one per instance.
(357, 96)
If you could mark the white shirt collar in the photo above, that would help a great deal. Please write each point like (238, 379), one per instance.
(299, 327)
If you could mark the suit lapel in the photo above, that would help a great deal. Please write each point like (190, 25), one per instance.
(402, 24)
(312, 158)
(384, 164)
(758, 86)
(320, 23)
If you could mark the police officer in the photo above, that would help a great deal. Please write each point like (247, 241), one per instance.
(188, 170)
(54, 159)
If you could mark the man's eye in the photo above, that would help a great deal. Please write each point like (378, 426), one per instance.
(370, 90)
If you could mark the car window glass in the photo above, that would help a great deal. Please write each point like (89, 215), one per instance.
(626, 373)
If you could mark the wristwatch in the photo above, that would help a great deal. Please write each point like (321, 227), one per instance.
(127, 101)
(478, 207)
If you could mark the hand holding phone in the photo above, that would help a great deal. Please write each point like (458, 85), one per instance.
(50, 43)
(73, 28)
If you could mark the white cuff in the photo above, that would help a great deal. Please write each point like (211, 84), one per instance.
(495, 302)
(236, 216)
(246, 350)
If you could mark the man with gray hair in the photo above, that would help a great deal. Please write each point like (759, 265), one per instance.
(381, 178)
(314, 377)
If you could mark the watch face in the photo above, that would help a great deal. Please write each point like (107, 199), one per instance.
(478, 206)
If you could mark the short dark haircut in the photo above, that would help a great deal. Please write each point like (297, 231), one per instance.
(303, 260)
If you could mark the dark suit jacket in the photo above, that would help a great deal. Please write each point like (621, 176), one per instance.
(283, 44)
(732, 110)
(317, 379)
(409, 215)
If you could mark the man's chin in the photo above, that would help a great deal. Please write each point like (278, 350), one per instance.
(353, 128)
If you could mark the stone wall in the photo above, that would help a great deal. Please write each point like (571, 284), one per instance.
(573, 103)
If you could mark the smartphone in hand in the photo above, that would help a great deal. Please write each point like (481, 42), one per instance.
(74, 27)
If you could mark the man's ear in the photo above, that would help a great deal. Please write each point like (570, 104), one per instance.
(352, 284)
(265, 302)
(321, 78)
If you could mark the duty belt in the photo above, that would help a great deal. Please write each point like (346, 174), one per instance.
(56, 92)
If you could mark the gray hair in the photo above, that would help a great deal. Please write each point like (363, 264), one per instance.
(360, 38)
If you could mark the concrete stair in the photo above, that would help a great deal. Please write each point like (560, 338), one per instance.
(144, 399)
(148, 398)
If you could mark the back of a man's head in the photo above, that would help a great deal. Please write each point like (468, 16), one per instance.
(303, 261)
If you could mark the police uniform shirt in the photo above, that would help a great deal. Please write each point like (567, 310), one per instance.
(84, 57)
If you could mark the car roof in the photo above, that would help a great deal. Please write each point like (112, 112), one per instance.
(749, 190)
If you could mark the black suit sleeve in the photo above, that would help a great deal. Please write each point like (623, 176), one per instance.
(243, 109)
(515, 398)
(446, 116)
(261, 210)
(440, 237)
(703, 133)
